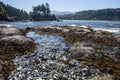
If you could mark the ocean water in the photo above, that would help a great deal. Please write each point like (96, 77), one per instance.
(111, 26)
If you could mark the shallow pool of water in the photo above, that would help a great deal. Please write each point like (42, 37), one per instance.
(51, 61)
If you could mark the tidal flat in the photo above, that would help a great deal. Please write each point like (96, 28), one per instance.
(65, 53)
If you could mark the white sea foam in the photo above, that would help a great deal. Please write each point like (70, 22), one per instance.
(113, 30)
(7, 25)
(73, 25)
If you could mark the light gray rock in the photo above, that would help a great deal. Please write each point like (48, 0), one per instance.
(4, 31)
(101, 32)
(80, 51)
(118, 38)
(101, 78)
(19, 39)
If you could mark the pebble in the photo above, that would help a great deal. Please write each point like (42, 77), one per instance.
(50, 49)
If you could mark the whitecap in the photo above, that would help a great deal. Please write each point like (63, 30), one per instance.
(112, 30)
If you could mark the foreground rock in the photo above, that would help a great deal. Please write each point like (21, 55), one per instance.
(97, 48)
(16, 44)
(12, 43)
(106, 60)
(79, 51)
(4, 31)
(52, 61)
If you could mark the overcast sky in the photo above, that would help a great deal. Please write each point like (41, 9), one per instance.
(65, 5)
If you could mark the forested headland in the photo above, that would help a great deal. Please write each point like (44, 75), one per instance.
(12, 13)
(40, 12)
(102, 14)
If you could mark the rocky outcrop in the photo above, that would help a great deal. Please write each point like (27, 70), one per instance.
(16, 44)
(79, 51)
(4, 31)
(52, 60)
(97, 48)
(12, 43)
(80, 33)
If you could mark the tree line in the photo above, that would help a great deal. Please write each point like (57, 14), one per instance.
(40, 12)
(102, 14)
(13, 12)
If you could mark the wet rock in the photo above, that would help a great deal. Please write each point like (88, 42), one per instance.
(18, 39)
(18, 44)
(79, 51)
(5, 68)
(4, 31)
(55, 62)
(100, 32)
(101, 78)
(103, 59)
(118, 39)
(101, 48)
(100, 51)
(83, 30)
(37, 61)
(107, 40)
(12, 43)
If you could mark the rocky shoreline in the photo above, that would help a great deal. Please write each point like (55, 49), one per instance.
(53, 60)
(97, 48)
(12, 43)
(90, 51)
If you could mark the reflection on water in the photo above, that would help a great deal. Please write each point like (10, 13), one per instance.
(46, 38)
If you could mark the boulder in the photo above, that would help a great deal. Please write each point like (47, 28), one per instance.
(101, 32)
(104, 60)
(18, 39)
(12, 43)
(78, 51)
(16, 44)
(82, 31)
(118, 38)
(5, 31)
(5, 69)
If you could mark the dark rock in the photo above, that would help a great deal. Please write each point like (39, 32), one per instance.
(5, 69)
(37, 61)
